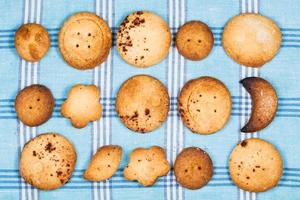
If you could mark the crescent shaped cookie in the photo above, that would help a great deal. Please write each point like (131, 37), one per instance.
(255, 165)
(82, 105)
(85, 40)
(251, 39)
(47, 161)
(143, 39)
(204, 105)
(264, 103)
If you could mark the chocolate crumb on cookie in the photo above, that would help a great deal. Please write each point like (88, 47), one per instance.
(104, 163)
(85, 40)
(193, 168)
(194, 40)
(47, 161)
(32, 42)
(142, 103)
(255, 165)
(143, 39)
(34, 105)
(204, 105)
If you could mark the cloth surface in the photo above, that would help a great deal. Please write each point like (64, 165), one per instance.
(283, 72)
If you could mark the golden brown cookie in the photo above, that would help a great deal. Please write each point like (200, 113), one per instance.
(142, 103)
(194, 40)
(32, 42)
(34, 105)
(104, 163)
(82, 105)
(264, 103)
(147, 165)
(47, 161)
(204, 105)
(251, 39)
(85, 40)
(255, 165)
(143, 39)
(193, 168)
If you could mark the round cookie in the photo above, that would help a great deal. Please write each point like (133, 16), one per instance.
(32, 42)
(142, 103)
(47, 161)
(251, 39)
(193, 168)
(194, 40)
(34, 105)
(255, 165)
(143, 39)
(85, 40)
(204, 105)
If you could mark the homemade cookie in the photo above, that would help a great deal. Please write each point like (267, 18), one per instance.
(264, 103)
(34, 105)
(204, 105)
(143, 39)
(142, 103)
(193, 168)
(82, 105)
(32, 42)
(47, 161)
(85, 40)
(255, 165)
(104, 163)
(147, 165)
(194, 40)
(251, 39)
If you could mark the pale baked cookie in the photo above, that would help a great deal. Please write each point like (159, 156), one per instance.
(193, 168)
(251, 39)
(142, 103)
(194, 40)
(255, 165)
(32, 42)
(104, 163)
(82, 105)
(204, 105)
(47, 161)
(85, 40)
(34, 105)
(264, 103)
(143, 39)
(147, 165)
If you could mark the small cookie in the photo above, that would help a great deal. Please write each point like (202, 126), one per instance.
(204, 105)
(143, 39)
(147, 165)
(47, 161)
(193, 168)
(142, 103)
(251, 39)
(194, 40)
(32, 42)
(104, 163)
(82, 105)
(255, 165)
(85, 40)
(34, 105)
(264, 103)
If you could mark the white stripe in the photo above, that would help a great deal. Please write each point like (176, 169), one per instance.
(249, 6)
(38, 9)
(32, 9)
(255, 10)
(243, 6)
(26, 11)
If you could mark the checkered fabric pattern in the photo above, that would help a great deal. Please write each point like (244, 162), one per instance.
(283, 72)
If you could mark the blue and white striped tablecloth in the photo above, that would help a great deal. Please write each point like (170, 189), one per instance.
(283, 72)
